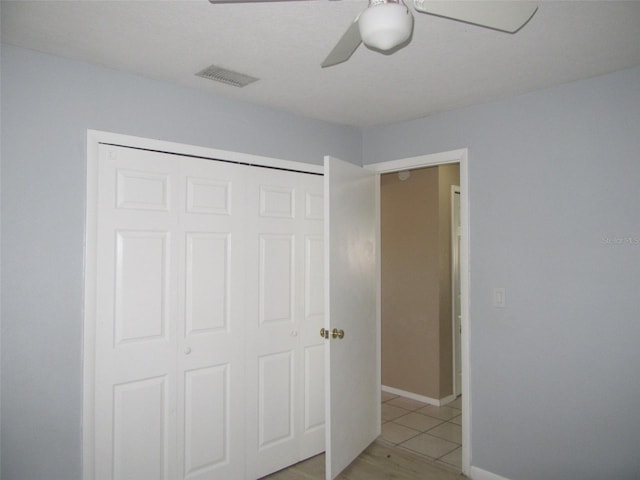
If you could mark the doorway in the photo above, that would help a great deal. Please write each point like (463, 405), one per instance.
(416, 283)
(416, 311)
(446, 158)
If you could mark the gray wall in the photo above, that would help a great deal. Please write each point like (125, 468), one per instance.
(555, 219)
(554, 199)
(47, 105)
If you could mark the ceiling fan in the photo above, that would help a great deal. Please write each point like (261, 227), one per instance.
(386, 25)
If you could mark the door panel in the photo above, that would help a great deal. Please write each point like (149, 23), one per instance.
(207, 282)
(169, 318)
(280, 320)
(142, 190)
(207, 419)
(314, 352)
(310, 301)
(135, 372)
(142, 264)
(276, 278)
(314, 411)
(271, 322)
(208, 195)
(351, 273)
(208, 362)
(140, 429)
(210, 322)
(275, 398)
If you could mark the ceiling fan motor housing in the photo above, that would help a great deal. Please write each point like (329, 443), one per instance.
(385, 25)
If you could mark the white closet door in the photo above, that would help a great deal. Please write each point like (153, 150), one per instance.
(135, 376)
(284, 363)
(313, 347)
(208, 361)
(210, 322)
(168, 376)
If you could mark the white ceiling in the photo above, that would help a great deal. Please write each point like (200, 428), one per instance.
(446, 65)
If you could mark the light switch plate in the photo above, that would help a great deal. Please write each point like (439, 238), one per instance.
(499, 298)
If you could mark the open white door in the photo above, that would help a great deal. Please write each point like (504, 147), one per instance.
(351, 276)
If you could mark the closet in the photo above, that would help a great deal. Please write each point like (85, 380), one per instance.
(209, 298)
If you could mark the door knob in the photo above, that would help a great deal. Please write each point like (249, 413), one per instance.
(335, 333)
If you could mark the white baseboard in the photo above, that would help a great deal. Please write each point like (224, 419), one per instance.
(476, 473)
(420, 398)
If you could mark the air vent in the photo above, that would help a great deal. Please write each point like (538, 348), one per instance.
(219, 74)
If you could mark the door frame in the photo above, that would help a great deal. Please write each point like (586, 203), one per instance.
(455, 190)
(94, 139)
(460, 156)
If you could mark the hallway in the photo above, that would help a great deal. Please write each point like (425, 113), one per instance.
(435, 433)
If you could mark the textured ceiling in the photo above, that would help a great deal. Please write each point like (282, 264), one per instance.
(446, 65)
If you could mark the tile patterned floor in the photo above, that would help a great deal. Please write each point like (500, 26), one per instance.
(418, 442)
(379, 461)
(434, 433)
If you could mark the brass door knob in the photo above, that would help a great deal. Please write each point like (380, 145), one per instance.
(335, 333)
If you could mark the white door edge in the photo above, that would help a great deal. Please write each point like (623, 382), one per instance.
(455, 190)
(94, 139)
(460, 156)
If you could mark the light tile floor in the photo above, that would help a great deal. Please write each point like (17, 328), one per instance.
(418, 441)
(379, 461)
(434, 433)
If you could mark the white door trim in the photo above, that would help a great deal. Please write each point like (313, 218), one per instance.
(436, 402)
(94, 138)
(455, 190)
(460, 156)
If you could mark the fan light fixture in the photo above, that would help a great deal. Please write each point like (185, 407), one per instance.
(385, 24)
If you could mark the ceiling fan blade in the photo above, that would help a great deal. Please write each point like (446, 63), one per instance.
(345, 46)
(249, 1)
(506, 16)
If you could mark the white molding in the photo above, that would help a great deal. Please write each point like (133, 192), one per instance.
(455, 190)
(479, 474)
(378, 305)
(421, 398)
(205, 152)
(88, 346)
(465, 277)
(452, 156)
(447, 400)
(460, 156)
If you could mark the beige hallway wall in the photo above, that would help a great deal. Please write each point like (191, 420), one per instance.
(416, 280)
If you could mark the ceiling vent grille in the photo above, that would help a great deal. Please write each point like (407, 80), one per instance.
(219, 74)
